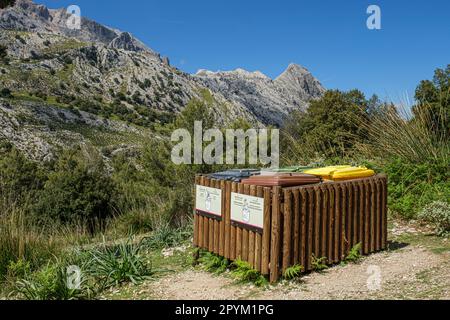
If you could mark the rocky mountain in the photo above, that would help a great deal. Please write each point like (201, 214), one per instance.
(268, 100)
(108, 74)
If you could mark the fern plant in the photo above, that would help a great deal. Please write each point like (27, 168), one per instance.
(355, 253)
(293, 272)
(318, 264)
(214, 263)
(244, 272)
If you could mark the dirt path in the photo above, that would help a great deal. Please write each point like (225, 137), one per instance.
(408, 273)
(417, 266)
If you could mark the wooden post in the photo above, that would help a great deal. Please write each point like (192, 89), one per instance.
(245, 233)
(252, 237)
(287, 234)
(265, 259)
(310, 228)
(366, 217)
(317, 213)
(297, 228)
(275, 238)
(332, 218)
(324, 222)
(232, 256)
(258, 237)
(239, 230)
(304, 227)
(226, 226)
(355, 193)
(197, 182)
(338, 222)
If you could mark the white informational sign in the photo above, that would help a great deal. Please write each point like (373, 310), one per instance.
(209, 200)
(247, 210)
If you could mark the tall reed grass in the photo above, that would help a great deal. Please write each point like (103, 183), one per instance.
(397, 133)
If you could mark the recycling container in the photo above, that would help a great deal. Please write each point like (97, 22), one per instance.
(273, 225)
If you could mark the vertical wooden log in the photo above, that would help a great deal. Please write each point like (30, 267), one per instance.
(200, 221)
(324, 223)
(366, 217)
(252, 236)
(344, 243)
(331, 222)
(225, 232)
(304, 227)
(310, 242)
(216, 224)
(245, 233)
(258, 237)
(234, 189)
(275, 236)
(378, 215)
(372, 215)
(266, 242)
(355, 214)
(361, 204)
(212, 184)
(206, 223)
(384, 213)
(287, 233)
(337, 223)
(317, 220)
(349, 217)
(297, 228)
(196, 222)
(239, 229)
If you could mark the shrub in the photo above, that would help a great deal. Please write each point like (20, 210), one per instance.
(119, 264)
(19, 177)
(437, 213)
(79, 190)
(328, 127)
(413, 186)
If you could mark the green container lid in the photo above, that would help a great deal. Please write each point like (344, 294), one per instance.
(292, 169)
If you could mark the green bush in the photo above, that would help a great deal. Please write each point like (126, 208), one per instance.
(437, 213)
(78, 190)
(413, 186)
(328, 128)
(20, 178)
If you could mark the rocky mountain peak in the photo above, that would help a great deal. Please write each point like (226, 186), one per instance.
(127, 42)
(298, 80)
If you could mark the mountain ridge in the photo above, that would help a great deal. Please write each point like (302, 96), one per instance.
(111, 74)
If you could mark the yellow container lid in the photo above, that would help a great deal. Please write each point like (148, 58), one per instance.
(351, 173)
(325, 172)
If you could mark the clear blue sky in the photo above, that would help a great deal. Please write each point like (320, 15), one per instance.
(328, 37)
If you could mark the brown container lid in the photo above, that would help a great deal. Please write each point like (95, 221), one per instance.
(282, 180)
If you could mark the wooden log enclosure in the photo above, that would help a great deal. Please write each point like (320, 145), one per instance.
(299, 224)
